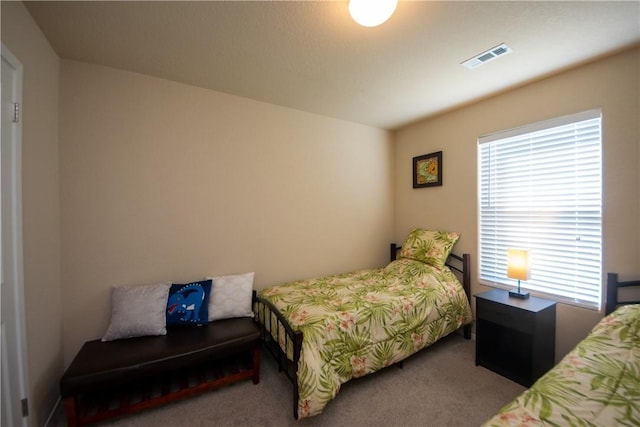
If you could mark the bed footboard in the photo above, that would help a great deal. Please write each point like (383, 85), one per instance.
(280, 340)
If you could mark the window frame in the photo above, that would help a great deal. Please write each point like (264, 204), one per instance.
(492, 278)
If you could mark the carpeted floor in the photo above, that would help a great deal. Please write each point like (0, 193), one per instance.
(440, 386)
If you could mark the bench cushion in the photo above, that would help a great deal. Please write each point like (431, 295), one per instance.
(108, 364)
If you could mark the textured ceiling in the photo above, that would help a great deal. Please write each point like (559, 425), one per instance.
(310, 55)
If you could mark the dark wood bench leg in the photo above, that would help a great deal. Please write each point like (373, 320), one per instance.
(256, 363)
(70, 409)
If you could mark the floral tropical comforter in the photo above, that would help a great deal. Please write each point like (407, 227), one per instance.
(357, 323)
(596, 384)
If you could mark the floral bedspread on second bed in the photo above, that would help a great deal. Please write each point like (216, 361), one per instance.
(596, 384)
(357, 323)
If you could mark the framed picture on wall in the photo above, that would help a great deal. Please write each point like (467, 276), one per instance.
(427, 170)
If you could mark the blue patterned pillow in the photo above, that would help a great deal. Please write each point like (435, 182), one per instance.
(189, 304)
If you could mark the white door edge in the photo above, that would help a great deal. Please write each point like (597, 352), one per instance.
(14, 187)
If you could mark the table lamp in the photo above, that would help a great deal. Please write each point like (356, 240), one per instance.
(518, 268)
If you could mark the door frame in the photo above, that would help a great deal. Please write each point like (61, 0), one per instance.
(16, 269)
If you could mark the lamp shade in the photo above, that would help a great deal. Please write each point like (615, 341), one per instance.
(518, 264)
(370, 13)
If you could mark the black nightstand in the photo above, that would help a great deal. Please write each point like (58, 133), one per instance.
(515, 337)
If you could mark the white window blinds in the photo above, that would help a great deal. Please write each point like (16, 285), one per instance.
(540, 189)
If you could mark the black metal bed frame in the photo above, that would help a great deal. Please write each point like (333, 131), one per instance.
(613, 297)
(276, 333)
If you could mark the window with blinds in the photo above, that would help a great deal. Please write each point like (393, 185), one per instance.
(541, 189)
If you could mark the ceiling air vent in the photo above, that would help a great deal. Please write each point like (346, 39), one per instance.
(487, 56)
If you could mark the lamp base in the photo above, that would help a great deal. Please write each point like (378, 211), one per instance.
(517, 294)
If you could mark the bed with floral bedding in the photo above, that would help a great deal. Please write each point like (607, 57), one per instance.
(328, 330)
(596, 384)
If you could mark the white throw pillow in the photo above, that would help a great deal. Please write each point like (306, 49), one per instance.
(231, 296)
(138, 311)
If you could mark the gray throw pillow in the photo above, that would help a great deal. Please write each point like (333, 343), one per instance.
(137, 311)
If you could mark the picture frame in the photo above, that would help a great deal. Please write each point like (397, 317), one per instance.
(427, 170)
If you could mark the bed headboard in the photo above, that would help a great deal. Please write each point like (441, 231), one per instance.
(613, 292)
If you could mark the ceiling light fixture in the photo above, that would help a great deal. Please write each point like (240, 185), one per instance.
(371, 13)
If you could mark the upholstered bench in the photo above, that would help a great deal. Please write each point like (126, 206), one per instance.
(143, 372)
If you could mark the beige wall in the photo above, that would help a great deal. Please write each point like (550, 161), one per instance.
(40, 206)
(164, 181)
(611, 84)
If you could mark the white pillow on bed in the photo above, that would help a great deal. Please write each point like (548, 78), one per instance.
(231, 296)
(137, 311)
